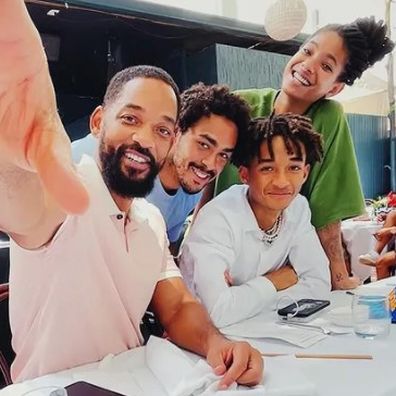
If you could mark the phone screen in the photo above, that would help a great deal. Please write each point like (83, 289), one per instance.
(82, 388)
(306, 307)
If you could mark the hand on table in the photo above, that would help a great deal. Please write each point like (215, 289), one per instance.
(236, 362)
(346, 283)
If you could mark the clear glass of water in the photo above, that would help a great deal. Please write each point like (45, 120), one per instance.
(371, 315)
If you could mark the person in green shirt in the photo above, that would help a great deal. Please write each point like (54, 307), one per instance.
(333, 56)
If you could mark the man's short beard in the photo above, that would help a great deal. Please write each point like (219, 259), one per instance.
(127, 186)
(187, 189)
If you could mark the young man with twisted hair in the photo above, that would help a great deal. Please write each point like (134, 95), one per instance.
(254, 243)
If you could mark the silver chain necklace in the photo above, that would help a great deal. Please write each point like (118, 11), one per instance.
(269, 236)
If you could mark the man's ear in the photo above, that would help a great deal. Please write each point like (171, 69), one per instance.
(244, 174)
(337, 88)
(95, 121)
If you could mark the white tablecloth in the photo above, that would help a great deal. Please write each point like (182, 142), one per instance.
(358, 236)
(348, 377)
(128, 374)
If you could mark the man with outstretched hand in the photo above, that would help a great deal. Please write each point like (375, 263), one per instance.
(87, 254)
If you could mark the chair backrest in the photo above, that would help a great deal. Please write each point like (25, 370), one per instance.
(150, 325)
(6, 353)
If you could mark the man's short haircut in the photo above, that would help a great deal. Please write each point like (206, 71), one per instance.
(143, 71)
(296, 130)
(202, 100)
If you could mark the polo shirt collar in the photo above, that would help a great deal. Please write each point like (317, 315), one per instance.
(100, 196)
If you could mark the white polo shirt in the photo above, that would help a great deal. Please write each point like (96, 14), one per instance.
(83, 296)
(226, 237)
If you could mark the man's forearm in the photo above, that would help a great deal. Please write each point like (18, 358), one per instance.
(192, 329)
(330, 238)
(185, 320)
(189, 326)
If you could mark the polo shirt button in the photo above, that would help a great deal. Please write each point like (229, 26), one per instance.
(120, 216)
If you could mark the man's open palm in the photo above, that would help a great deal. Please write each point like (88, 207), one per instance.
(31, 133)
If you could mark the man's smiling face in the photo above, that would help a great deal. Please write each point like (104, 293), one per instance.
(203, 150)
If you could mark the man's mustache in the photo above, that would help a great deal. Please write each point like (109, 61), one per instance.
(204, 168)
(139, 149)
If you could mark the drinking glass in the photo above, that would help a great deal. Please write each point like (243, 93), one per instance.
(371, 315)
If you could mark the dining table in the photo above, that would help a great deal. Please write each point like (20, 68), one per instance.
(343, 364)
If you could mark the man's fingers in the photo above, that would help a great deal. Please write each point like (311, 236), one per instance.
(254, 373)
(64, 186)
(217, 363)
(54, 166)
(32, 136)
(220, 370)
(21, 48)
(249, 377)
(240, 362)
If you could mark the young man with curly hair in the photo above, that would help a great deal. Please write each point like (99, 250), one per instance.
(211, 123)
(254, 243)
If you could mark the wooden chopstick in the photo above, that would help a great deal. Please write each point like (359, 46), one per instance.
(321, 356)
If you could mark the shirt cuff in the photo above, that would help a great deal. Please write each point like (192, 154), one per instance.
(265, 288)
(174, 273)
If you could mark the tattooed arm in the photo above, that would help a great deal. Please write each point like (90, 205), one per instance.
(330, 238)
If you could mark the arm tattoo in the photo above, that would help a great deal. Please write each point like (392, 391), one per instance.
(330, 238)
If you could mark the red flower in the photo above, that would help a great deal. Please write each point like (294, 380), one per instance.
(391, 199)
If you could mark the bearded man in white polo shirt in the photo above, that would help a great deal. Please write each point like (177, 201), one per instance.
(254, 243)
(80, 284)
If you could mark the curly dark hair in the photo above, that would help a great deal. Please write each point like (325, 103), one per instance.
(118, 81)
(366, 42)
(202, 100)
(296, 130)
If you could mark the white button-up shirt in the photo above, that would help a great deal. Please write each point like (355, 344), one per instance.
(226, 237)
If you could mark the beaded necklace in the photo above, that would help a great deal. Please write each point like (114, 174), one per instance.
(269, 236)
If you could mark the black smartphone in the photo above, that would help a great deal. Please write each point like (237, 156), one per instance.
(83, 388)
(305, 309)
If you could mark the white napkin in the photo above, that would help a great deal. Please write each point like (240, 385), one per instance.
(203, 382)
(180, 376)
(167, 362)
